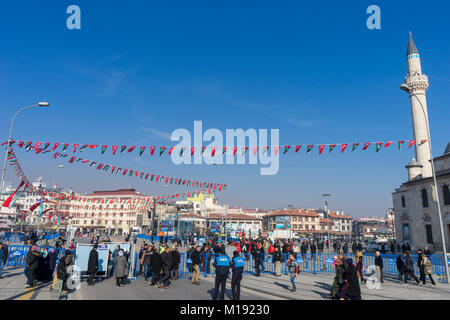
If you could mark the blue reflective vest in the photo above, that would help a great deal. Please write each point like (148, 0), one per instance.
(222, 265)
(238, 262)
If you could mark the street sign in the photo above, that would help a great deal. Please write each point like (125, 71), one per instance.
(329, 260)
(299, 260)
(269, 260)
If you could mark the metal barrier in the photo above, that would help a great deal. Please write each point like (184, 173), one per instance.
(17, 254)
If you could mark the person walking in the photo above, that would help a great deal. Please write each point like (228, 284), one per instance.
(408, 268)
(277, 260)
(166, 264)
(61, 275)
(257, 259)
(2, 260)
(222, 265)
(156, 264)
(420, 265)
(360, 268)
(293, 270)
(145, 260)
(121, 270)
(92, 264)
(237, 267)
(426, 262)
(351, 289)
(196, 261)
(5, 252)
(33, 263)
(379, 264)
(176, 259)
(339, 280)
(400, 263)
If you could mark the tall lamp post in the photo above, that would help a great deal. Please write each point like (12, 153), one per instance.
(325, 198)
(40, 104)
(409, 90)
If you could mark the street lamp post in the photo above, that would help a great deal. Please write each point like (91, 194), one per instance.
(325, 195)
(408, 89)
(40, 104)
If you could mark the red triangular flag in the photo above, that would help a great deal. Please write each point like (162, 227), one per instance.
(213, 151)
(171, 149)
(344, 146)
(192, 151)
(388, 144)
(152, 150)
(276, 149)
(114, 149)
(366, 145)
(297, 148)
(411, 143)
(321, 147)
(75, 146)
(234, 150)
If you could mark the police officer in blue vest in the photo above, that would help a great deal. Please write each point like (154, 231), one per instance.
(222, 265)
(237, 266)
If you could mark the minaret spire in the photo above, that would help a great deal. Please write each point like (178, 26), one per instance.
(411, 46)
(416, 84)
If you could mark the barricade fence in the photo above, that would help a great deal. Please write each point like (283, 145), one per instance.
(17, 254)
(308, 263)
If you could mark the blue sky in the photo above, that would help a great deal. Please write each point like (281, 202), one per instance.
(138, 70)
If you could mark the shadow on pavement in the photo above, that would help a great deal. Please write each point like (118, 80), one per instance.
(323, 285)
(284, 286)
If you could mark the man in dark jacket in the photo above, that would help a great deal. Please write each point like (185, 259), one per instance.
(155, 262)
(400, 265)
(92, 264)
(222, 265)
(420, 265)
(33, 262)
(176, 258)
(257, 258)
(196, 261)
(166, 263)
(408, 268)
(237, 266)
(277, 260)
(379, 264)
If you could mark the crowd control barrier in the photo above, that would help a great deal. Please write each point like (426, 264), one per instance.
(313, 263)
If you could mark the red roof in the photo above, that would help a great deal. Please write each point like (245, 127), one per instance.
(336, 216)
(304, 213)
(324, 220)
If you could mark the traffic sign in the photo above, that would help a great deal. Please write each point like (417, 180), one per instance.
(329, 260)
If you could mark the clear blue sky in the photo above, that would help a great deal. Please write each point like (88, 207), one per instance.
(137, 70)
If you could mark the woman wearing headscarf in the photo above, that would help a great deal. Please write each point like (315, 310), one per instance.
(339, 281)
(360, 268)
(351, 289)
(121, 270)
(33, 259)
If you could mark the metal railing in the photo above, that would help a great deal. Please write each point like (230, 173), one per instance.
(308, 263)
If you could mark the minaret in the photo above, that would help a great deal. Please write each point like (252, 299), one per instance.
(416, 86)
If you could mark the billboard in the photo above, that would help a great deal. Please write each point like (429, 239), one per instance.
(282, 222)
(166, 226)
(215, 227)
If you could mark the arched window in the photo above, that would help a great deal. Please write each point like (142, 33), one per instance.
(403, 201)
(446, 192)
(424, 198)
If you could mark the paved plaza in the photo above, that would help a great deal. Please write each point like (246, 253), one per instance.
(266, 287)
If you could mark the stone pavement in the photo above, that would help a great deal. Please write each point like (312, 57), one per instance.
(309, 287)
(318, 286)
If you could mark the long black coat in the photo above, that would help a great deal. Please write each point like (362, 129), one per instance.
(175, 258)
(93, 261)
(353, 289)
(166, 259)
(155, 261)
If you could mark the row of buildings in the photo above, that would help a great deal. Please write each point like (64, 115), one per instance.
(119, 211)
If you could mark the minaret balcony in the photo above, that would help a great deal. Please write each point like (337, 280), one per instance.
(418, 82)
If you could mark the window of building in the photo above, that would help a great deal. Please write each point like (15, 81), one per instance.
(403, 201)
(429, 233)
(446, 192)
(424, 198)
(406, 234)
